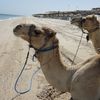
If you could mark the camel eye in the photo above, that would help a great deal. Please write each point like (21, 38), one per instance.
(83, 20)
(37, 32)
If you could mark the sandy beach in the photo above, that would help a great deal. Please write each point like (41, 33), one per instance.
(13, 51)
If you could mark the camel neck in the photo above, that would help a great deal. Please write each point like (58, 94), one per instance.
(50, 56)
(55, 72)
(95, 38)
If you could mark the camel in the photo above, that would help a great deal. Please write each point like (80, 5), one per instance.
(92, 25)
(81, 80)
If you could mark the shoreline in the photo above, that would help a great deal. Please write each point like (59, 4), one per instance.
(13, 18)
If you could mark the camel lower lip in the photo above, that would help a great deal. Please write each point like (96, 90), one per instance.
(18, 35)
(15, 33)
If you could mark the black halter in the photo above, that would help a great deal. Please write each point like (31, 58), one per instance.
(91, 31)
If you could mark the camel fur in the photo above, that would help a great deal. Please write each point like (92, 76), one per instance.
(82, 80)
(92, 26)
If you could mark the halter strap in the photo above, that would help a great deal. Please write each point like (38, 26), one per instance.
(46, 49)
(93, 30)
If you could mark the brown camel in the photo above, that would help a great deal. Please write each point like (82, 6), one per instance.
(82, 80)
(92, 25)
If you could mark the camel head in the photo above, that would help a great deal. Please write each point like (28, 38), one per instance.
(39, 36)
(88, 23)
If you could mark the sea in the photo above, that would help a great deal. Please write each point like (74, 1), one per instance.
(8, 16)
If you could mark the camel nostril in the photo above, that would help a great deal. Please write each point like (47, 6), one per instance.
(83, 20)
(17, 28)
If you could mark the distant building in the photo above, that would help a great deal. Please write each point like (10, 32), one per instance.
(95, 9)
(66, 15)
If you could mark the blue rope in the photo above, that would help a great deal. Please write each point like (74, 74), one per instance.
(15, 86)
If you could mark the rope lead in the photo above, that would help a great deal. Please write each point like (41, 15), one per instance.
(77, 48)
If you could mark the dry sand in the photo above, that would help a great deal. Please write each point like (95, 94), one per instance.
(13, 52)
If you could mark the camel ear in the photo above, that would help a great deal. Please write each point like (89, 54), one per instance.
(94, 17)
(49, 32)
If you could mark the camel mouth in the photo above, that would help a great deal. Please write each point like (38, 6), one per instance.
(17, 34)
(14, 31)
(76, 21)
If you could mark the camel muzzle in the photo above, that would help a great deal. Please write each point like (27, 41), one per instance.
(18, 27)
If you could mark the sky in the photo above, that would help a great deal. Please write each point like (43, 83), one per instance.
(29, 7)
